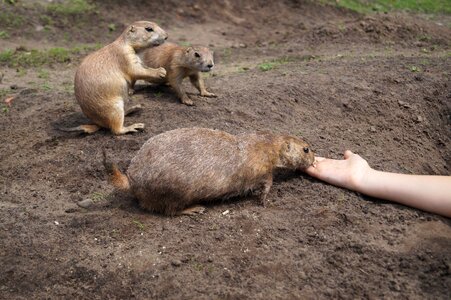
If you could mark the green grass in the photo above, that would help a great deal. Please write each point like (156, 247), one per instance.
(139, 225)
(46, 20)
(4, 34)
(71, 7)
(43, 74)
(422, 6)
(185, 44)
(271, 64)
(37, 58)
(96, 196)
(112, 27)
(4, 92)
(10, 20)
(414, 69)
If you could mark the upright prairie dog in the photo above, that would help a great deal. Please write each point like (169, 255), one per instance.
(180, 62)
(103, 78)
(178, 169)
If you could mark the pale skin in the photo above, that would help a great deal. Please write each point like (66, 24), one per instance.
(426, 192)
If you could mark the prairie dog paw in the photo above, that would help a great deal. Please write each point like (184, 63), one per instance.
(161, 73)
(208, 94)
(187, 101)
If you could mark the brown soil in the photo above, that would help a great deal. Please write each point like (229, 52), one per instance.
(345, 81)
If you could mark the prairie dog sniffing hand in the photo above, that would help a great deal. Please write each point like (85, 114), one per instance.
(178, 169)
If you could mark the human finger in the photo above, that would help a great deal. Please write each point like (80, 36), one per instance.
(319, 158)
(348, 154)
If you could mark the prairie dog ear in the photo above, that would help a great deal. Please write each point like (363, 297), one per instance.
(288, 143)
(132, 28)
(285, 147)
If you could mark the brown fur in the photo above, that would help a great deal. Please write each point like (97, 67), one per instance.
(180, 62)
(180, 168)
(116, 177)
(103, 78)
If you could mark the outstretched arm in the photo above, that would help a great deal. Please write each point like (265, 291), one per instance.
(426, 192)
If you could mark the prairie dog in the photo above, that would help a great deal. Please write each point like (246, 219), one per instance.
(103, 78)
(175, 170)
(180, 62)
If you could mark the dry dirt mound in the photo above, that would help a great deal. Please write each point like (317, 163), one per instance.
(382, 29)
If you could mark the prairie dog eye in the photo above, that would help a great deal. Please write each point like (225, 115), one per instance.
(306, 150)
(149, 29)
(196, 54)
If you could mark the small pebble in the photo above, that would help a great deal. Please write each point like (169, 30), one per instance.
(176, 263)
(85, 203)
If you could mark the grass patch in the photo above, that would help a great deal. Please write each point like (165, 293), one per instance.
(185, 44)
(139, 225)
(4, 109)
(4, 35)
(46, 20)
(71, 7)
(271, 64)
(4, 92)
(36, 58)
(414, 69)
(96, 196)
(11, 20)
(368, 6)
(43, 74)
(112, 27)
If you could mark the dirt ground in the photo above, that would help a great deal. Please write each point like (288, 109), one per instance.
(379, 85)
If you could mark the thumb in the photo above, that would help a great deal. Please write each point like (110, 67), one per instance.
(348, 154)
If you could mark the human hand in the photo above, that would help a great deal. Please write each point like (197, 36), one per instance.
(349, 173)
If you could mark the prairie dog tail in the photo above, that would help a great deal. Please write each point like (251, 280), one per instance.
(82, 128)
(118, 179)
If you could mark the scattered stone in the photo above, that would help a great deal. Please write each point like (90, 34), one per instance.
(70, 210)
(242, 45)
(14, 86)
(404, 104)
(302, 275)
(39, 28)
(85, 203)
(176, 263)
(373, 129)
(419, 119)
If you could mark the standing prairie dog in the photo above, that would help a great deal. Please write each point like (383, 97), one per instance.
(103, 78)
(180, 62)
(178, 169)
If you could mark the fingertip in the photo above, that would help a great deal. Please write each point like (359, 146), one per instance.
(319, 158)
(348, 154)
(311, 171)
